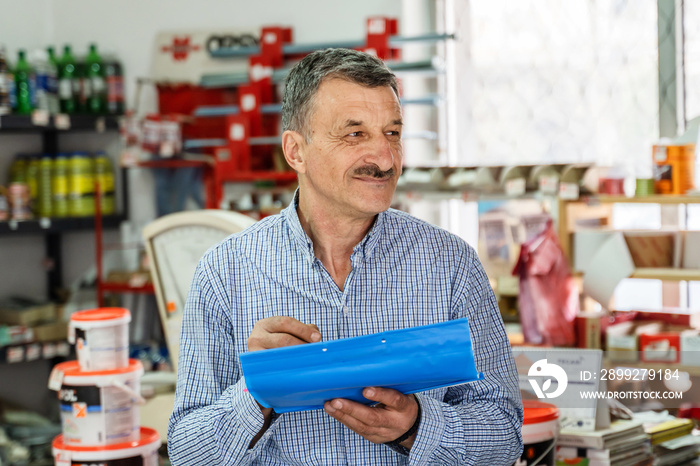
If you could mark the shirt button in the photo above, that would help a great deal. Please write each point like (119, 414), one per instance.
(346, 310)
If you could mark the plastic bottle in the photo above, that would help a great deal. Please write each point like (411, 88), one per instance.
(44, 206)
(32, 177)
(104, 173)
(18, 169)
(81, 188)
(54, 106)
(45, 76)
(114, 77)
(67, 82)
(6, 83)
(95, 88)
(59, 186)
(24, 84)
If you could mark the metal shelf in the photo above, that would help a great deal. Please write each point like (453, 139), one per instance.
(61, 122)
(669, 274)
(35, 351)
(279, 75)
(298, 49)
(57, 225)
(655, 199)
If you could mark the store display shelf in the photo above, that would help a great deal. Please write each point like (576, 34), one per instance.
(113, 287)
(28, 352)
(173, 163)
(297, 49)
(653, 366)
(655, 199)
(670, 274)
(57, 225)
(279, 75)
(60, 122)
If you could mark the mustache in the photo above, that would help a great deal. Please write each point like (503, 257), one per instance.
(374, 171)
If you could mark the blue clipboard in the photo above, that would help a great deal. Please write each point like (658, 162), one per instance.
(304, 377)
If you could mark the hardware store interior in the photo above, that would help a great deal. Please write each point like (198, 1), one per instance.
(496, 195)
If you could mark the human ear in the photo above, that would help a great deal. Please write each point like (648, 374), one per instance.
(293, 148)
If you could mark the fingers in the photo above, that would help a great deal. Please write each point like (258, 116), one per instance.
(387, 421)
(280, 331)
(392, 399)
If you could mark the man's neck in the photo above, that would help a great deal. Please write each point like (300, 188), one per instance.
(333, 237)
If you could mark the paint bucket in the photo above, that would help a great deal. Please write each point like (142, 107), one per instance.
(142, 452)
(101, 338)
(540, 430)
(98, 407)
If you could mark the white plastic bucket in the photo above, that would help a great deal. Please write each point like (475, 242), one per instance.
(101, 338)
(540, 430)
(98, 407)
(142, 452)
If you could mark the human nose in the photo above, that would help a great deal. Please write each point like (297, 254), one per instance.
(384, 153)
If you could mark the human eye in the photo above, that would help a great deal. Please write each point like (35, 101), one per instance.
(355, 134)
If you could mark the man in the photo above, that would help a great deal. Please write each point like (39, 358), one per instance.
(339, 263)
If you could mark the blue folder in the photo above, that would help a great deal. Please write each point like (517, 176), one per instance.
(303, 377)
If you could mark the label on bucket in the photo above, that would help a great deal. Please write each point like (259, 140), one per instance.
(97, 416)
(536, 454)
(102, 348)
(132, 461)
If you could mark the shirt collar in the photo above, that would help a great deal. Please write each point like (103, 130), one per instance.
(365, 247)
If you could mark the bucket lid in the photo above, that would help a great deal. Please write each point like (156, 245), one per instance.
(536, 412)
(101, 314)
(148, 437)
(72, 369)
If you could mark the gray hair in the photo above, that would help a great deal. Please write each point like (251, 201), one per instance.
(306, 76)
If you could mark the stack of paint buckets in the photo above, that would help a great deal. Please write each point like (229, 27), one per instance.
(99, 395)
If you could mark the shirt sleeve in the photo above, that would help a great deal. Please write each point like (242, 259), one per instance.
(214, 418)
(477, 423)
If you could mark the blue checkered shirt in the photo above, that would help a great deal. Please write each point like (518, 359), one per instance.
(405, 273)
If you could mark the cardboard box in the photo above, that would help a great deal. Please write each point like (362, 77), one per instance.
(622, 340)
(691, 250)
(589, 329)
(19, 312)
(673, 316)
(690, 347)
(653, 249)
(52, 331)
(660, 347)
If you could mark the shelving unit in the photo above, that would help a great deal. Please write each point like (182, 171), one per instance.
(251, 126)
(28, 352)
(50, 127)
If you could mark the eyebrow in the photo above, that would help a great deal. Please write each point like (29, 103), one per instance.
(351, 123)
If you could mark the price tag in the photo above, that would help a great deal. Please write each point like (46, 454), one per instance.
(40, 118)
(100, 125)
(549, 184)
(33, 352)
(15, 354)
(62, 349)
(63, 459)
(515, 187)
(61, 121)
(45, 223)
(55, 379)
(568, 191)
(49, 350)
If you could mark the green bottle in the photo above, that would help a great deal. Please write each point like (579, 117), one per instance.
(24, 81)
(53, 81)
(67, 82)
(95, 88)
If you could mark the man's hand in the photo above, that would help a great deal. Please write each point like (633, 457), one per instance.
(387, 421)
(276, 332)
(279, 331)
